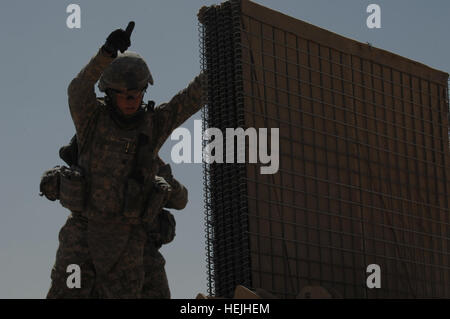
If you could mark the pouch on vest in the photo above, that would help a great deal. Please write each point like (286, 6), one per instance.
(133, 199)
(72, 189)
(49, 185)
(162, 230)
(158, 197)
(167, 226)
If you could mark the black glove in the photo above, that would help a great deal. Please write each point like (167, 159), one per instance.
(119, 40)
(166, 172)
(162, 186)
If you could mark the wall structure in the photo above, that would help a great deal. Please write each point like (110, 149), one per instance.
(364, 161)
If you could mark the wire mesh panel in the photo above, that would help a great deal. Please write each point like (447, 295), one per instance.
(225, 200)
(364, 161)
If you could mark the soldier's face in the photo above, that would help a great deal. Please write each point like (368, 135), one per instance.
(129, 101)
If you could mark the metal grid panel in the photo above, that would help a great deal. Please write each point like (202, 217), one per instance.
(363, 162)
(225, 200)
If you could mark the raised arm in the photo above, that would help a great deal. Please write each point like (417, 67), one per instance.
(183, 105)
(81, 91)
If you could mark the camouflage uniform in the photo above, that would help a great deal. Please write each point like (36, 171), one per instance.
(160, 232)
(106, 241)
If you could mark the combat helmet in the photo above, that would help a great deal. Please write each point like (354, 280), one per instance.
(127, 71)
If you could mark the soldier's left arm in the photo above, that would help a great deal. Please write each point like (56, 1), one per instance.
(183, 105)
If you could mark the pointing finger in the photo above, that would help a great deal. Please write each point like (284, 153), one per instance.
(130, 28)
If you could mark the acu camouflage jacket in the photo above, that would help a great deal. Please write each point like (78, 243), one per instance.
(107, 153)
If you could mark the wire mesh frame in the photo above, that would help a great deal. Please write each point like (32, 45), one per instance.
(224, 184)
(352, 72)
(448, 110)
(263, 99)
(206, 179)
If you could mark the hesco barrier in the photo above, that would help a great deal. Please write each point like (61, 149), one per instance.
(364, 161)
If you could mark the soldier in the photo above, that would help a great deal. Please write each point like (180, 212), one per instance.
(114, 193)
(159, 232)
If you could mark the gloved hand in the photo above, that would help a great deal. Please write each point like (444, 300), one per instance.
(119, 40)
(162, 185)
(158, 197)
(166, 172)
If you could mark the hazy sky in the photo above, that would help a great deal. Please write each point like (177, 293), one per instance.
(40, 55)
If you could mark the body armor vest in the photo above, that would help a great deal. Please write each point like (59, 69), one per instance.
(108, 156)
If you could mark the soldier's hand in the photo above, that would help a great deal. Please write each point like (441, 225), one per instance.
(165, 171)
(119, 40)
(162, 185)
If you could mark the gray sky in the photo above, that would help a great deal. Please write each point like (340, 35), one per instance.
(40, 56)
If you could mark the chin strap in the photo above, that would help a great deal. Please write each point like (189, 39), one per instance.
(122, 120)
